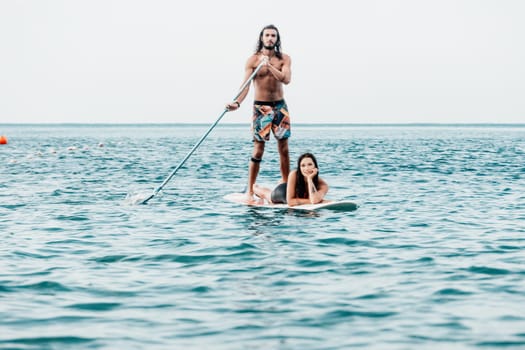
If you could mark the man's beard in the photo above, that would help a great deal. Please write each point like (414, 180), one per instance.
(269, 47)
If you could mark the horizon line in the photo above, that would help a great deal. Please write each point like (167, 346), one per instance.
(244, 124)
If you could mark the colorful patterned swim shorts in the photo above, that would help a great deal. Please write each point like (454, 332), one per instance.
(270, 116)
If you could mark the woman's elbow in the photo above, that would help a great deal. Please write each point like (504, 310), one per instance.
(316, 200)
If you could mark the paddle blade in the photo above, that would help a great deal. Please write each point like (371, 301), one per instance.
(138, 198)
(147, 199)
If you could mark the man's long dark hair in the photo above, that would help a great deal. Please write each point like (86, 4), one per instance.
(277, 48)
(301, 190)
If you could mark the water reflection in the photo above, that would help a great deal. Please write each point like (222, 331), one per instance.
(260, 220)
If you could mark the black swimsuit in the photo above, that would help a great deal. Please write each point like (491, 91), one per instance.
(279, 194)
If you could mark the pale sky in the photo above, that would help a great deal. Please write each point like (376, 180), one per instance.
(353, 61)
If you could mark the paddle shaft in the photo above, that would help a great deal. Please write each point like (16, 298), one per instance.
(158, 189)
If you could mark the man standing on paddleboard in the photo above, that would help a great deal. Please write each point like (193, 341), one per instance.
(270, 113)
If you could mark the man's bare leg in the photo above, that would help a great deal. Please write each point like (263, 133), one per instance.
(284, 157)
(253, 167)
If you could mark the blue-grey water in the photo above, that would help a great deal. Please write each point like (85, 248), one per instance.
(433, 258)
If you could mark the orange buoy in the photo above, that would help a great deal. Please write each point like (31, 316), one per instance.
(3, 140)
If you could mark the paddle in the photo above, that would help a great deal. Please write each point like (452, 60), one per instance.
(157, 190)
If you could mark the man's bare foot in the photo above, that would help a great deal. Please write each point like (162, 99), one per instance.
(249, 199)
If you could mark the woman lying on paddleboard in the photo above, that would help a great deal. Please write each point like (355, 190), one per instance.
(304, 185)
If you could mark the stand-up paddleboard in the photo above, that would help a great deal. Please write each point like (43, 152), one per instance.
(240, 198)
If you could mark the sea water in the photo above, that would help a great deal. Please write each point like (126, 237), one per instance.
(432, 259)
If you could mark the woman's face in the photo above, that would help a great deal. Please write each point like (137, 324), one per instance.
(307, 166)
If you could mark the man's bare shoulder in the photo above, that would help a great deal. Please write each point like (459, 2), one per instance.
(255, 57)
(253, 60)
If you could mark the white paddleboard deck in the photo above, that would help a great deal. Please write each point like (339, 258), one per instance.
(240, 198)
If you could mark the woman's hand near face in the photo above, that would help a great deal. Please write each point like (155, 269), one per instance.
(312, 173)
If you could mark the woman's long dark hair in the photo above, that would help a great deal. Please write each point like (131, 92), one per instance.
(277, 48)
(300, 184)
